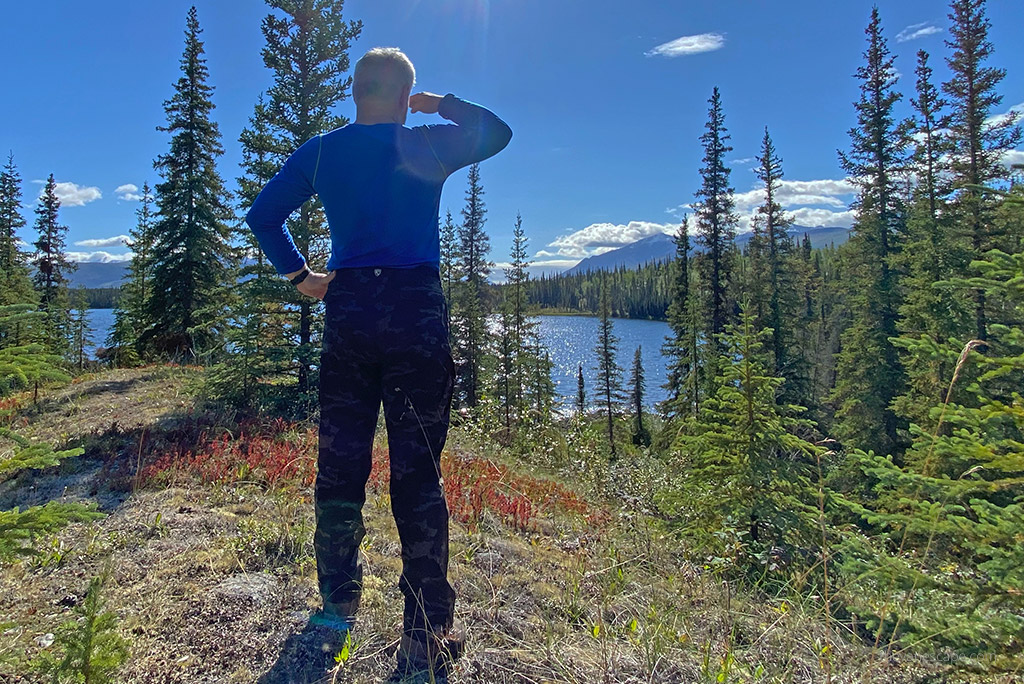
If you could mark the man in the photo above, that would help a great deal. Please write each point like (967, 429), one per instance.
(385, 332)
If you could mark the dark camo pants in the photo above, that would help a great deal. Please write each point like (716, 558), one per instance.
(385, 340)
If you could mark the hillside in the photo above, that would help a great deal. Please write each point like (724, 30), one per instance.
(208, 534)
(661, 247)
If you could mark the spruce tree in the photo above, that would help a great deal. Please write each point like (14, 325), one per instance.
(977, 140)
(307, 44)
(932, 312)
(260, 367)
(609, 376)
(716, 223)
(192, 260)
(777, 268)
(744, 448)
(532, 388)
(81, 333)
(52, 268)
(471, 328)
(15, 284)
(131, 314)
(451, 258)
(870, 374)
(954, 511)
(681, 348)
(637, 383)
(581, 392)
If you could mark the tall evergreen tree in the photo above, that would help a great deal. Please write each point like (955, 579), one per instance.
(471, 332)
(262, 335)
(192, 261)
(716, 222)
(609, 376)
(131, 313)
(52, 268)
(931, 312)
(776, 267)
(307, 46)
(977, 139)
(681, 348)
(637, 383)
(451, 258)
(15, 284)
(870, 374)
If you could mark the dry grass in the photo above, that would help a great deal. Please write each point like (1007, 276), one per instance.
(214, 583)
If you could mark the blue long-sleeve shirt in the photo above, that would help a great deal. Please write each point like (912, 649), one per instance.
(380, 186)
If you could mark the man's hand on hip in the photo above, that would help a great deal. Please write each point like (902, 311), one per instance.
(314, 284)
(426, 103)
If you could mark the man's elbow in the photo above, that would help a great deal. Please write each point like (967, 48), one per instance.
(504, 136)
(498, 139)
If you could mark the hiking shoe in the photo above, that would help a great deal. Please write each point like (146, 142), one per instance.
(428, 659)
(332, 621)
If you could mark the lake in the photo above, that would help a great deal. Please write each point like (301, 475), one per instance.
(570, 339)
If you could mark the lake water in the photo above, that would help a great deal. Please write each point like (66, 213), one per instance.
(570, 339)
(100, 323)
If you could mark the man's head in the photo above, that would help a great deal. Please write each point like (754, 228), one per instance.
(383, 79)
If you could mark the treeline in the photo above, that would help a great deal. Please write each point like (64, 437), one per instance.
(643, 292)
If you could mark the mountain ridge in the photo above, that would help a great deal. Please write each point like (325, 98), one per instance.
(661, 247)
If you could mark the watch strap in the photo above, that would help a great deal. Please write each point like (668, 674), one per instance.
(302, 276)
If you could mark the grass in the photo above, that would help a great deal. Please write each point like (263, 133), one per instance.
(213, 577)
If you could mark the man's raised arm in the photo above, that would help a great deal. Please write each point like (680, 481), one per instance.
(477, 134)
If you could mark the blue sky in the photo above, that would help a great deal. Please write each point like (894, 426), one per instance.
(607, 100)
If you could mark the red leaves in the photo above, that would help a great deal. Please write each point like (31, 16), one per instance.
(277, 453)
(267, 452)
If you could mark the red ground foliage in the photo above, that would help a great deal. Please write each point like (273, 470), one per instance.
(278, 453)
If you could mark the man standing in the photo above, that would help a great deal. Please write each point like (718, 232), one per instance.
(385, 332)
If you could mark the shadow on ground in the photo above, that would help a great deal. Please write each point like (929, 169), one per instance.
(306, 657)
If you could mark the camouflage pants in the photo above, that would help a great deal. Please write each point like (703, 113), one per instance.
(385, 340)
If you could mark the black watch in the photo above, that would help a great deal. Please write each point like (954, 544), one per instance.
(302, 276)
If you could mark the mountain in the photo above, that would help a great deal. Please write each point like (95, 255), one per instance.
(661, 247)
(657, 247)
(98, 274)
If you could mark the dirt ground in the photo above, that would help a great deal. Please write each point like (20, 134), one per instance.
(216, 583)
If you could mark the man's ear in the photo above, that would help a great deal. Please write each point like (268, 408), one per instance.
(403, 98)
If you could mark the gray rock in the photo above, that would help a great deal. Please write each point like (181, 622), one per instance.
(257, 587)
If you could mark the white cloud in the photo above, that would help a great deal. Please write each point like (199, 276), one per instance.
(689, 45)
(792, 193)
(100, 257)
(1011, 157)
(598, 238)
(129, 192)
(1017, 109)
(915, 31)
(73, 194)
(812, 218)
(115, 241)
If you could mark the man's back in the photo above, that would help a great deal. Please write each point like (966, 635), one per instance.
(380, 186)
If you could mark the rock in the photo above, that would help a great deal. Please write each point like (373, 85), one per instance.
(45, 641)
(257, 587)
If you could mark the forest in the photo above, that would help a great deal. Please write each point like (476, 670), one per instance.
(844, 435)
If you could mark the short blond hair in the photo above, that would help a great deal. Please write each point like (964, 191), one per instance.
(382, 73)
